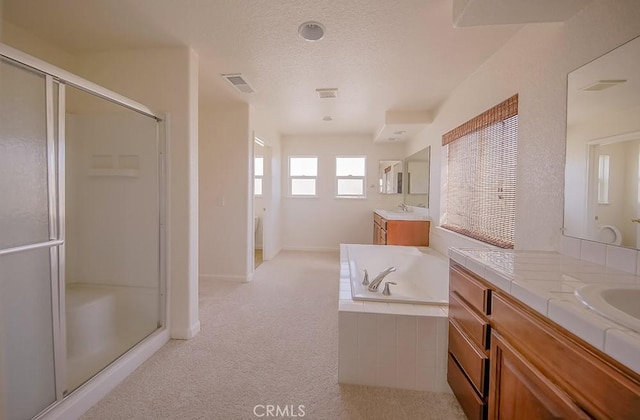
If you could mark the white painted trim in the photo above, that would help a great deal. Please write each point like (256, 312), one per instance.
(72, 79)
(633, 135)
(311, 249)
(188, 334)
(85, 397)
(226, 277)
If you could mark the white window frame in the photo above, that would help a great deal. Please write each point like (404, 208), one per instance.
(256, 176)
(363, 177)
(291, 177)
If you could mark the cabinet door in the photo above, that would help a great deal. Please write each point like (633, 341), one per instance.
(519, 391)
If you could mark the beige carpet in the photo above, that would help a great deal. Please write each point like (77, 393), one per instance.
(271, 341)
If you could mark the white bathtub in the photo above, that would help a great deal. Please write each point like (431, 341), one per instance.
(421, 275)
(389, 344)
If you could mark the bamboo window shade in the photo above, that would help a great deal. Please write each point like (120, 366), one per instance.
(481, 175)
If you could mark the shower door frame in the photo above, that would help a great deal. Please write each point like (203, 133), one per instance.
(56, 205)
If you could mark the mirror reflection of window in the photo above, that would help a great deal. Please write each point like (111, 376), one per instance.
(603, 179)
(259, 173)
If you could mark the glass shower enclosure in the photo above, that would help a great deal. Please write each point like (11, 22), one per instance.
(81, 239)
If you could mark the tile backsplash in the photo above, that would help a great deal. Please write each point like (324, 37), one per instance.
(613, 256)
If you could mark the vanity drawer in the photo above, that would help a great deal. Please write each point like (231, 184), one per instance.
(380, 221)
(474, 325)
(472, 405)
(472, 291)
(473, 361)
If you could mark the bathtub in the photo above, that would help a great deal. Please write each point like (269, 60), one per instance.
(385, 343)
(421, 275)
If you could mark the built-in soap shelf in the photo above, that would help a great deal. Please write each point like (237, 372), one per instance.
(114, 165)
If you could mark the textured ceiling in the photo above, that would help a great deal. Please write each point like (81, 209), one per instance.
(381, 55)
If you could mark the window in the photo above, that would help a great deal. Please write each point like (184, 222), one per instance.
(603, 179)
(481, 175)
(350, 176)
(258, 169)
(303, 173)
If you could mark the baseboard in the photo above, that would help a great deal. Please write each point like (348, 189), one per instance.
(311, 249)
(88, 395)
(220, 277)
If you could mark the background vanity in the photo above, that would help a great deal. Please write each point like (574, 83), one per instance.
(409, 179)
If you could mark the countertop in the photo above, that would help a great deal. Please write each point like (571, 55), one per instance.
(401, 215)
(546, 281)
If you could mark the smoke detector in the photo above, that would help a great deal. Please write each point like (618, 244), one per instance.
(327, 93)
(602, 85)
(238, 82)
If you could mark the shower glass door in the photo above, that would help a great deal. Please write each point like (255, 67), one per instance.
(29, 244)
(112, 232)
(81, 204)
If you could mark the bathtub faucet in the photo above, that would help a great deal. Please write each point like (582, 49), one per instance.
(373, 287)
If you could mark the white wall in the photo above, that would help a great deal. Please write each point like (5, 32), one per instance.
(38, 47)
(534, 64)
(225, 214)
(324, 222)
(165, 79)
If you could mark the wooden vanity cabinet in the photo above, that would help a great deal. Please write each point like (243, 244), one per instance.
(520, 391)
(469, 328)
(400, 232)
(536, 369)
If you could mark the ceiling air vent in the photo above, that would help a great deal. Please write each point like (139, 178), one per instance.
(327, 93)
(602, 85)
(238, 82)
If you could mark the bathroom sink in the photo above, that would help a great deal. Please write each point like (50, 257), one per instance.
(400, 215)
(620, 303)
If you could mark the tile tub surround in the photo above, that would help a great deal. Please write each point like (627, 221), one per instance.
(393, 345)
(546, 282)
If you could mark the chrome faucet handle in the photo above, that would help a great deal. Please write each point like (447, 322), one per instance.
(386, 290)
(365, 282)
(373, 287)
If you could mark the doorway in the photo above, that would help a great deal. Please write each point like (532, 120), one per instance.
(261, 200)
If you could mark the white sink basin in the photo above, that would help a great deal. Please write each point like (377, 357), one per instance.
(620, 303)
(400, 215)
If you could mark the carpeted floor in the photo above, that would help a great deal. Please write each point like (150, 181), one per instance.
(274, 342)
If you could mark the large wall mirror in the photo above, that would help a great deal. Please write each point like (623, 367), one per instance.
(417, 178)
(602, 188)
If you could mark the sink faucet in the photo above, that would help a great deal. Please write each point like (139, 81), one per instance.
(403, 207)
(373, 287)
